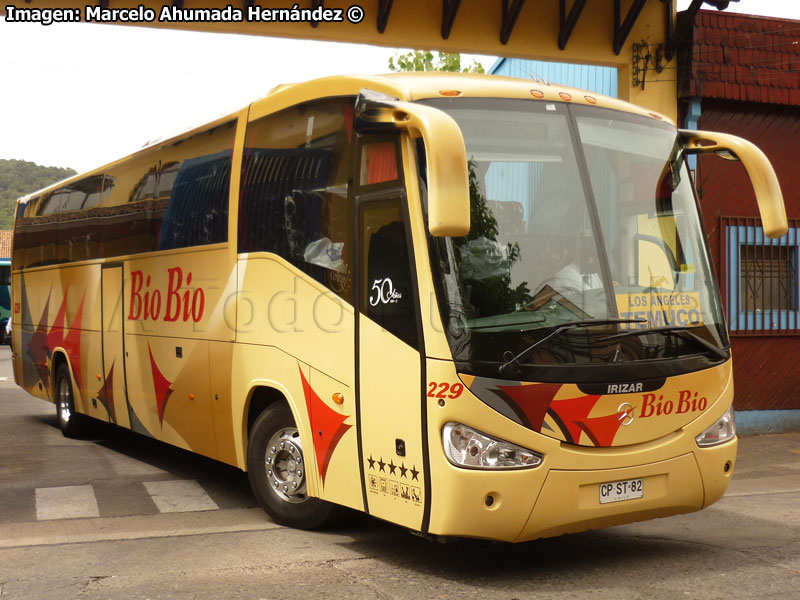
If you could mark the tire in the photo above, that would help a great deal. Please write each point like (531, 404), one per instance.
(276, 469)
(71, 423)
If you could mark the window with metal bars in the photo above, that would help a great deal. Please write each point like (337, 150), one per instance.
(760, 280)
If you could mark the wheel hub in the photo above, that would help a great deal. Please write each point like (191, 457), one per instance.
(285, 466)
(64, 401)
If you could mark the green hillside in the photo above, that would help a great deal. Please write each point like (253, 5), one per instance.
(19, 177)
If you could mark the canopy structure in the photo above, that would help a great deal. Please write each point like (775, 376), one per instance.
(640, 38)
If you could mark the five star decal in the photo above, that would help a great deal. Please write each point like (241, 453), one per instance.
(391, 468)
(380, 480)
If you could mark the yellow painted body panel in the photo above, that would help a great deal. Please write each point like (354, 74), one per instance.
(174, 306)
(257, 366)
(342, 470)
(390, 410)
(220, 355)
(63, 314)
(296, 314)
(569, 500)
(114, 389)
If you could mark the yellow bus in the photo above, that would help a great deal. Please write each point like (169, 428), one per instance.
(468, 305)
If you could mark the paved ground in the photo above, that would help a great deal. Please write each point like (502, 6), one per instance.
(126, 517)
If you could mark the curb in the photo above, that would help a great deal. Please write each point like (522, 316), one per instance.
(755, 422)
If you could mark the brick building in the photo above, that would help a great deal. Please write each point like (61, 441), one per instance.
(740, 74)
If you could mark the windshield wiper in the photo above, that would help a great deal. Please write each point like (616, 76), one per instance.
(558, 329)
(677, 331)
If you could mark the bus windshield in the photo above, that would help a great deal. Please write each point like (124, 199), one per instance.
(585, 247)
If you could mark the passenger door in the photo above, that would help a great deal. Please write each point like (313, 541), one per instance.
(113, 395)
(389, 365)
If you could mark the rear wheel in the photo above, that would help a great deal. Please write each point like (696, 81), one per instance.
(276, 468)
(71, 423)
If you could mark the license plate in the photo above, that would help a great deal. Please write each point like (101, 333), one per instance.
(617, 491)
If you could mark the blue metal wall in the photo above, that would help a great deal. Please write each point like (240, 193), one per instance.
(514, 181)
(601, 80)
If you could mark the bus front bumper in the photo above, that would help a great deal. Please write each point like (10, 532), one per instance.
(519, 506)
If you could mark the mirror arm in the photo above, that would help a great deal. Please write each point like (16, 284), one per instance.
(762, 175)
(446, 155)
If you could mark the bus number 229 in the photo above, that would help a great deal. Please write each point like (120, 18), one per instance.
(445, 390)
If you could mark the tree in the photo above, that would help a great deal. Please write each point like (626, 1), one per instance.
(19, 177)
(492, 294)
(422, 60)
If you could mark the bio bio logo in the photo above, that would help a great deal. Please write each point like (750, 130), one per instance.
(181, 302)
(687, 403)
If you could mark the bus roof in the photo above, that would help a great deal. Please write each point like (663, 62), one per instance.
(413, 86)
(406, 86)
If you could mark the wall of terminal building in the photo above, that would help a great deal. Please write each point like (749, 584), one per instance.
(766, 361)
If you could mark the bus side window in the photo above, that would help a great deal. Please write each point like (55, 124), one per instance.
(78, 234)
(39, 233)
(125, 212)
(295, 188)
(22, 237)
(387, 289)
(196, 213)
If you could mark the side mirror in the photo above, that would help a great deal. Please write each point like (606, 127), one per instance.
(448, 178)
(762, 175)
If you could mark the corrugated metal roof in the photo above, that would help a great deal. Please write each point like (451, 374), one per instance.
(742, 57)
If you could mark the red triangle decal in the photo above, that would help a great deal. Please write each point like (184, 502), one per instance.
(161, 386)
(327, 426)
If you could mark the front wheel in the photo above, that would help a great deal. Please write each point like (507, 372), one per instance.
(276, 468)
(71, 423)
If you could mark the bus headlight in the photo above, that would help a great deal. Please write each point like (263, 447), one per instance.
(720, 432)
(468, 448)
